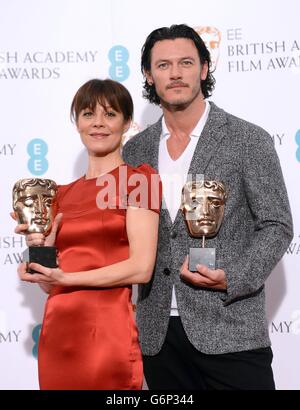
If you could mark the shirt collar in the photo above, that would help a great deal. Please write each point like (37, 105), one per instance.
(196, 131)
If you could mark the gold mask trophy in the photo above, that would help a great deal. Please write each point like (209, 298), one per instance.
(34, 203)
(202, 205)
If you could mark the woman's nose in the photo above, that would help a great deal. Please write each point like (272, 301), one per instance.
(98, 120)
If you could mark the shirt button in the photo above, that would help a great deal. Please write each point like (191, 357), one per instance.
(173, 234)
(167, 271)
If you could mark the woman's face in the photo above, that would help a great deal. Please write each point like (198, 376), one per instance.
(101, 130)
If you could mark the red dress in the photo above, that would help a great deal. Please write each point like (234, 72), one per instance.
(89, 339)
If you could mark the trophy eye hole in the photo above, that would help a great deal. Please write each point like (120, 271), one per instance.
(216, 202)
(193, 204)
(48, 202)
(28, 201)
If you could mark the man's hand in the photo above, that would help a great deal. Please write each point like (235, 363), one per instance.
(204, 277)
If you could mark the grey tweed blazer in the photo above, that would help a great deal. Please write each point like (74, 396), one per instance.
(256, 231)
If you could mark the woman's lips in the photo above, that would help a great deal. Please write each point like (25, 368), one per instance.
(99, 135)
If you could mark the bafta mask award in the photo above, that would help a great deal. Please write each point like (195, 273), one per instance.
(202, 205)
(34, 203)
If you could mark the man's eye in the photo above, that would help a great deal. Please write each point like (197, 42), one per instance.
(162, 65)
(186, 62)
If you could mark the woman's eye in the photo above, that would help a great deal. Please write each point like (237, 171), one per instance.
(110, 114)
(87, 114)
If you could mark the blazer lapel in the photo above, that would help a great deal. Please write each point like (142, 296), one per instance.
(211, 136)
(154, 133)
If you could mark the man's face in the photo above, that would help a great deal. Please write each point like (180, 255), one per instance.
(203, 209)
(36, 206)
(176, 72)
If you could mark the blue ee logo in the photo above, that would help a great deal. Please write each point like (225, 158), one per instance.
(297, 138)
(118, 70)
(35, 337)
(37, 150)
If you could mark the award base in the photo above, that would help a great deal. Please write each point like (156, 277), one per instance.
(44, 255)
(202, 256)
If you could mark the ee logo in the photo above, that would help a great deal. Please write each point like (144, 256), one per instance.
(297, 138)
(118, 70)
(37, 150)
(35, 337)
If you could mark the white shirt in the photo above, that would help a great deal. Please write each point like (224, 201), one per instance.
(174, 173)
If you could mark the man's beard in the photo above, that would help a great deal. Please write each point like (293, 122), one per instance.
(181, 103)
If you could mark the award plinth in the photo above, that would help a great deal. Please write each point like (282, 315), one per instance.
(44, 255)
(202, 256)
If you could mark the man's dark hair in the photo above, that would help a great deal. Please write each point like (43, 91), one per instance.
(171, 33)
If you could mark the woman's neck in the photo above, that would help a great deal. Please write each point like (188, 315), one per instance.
(101, 165)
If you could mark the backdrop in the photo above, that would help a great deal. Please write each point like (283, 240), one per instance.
(49, 48)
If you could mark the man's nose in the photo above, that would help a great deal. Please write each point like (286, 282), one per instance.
(175, 72)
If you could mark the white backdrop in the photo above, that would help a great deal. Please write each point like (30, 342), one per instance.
(49, 48)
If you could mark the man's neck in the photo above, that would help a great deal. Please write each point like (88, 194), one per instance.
(184, 121)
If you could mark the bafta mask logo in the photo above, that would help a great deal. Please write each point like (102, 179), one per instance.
(212, 39)
(34, 202)
(203, 205)
(133, 130)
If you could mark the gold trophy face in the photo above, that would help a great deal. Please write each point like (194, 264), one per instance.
(34, 202)
(203, 205)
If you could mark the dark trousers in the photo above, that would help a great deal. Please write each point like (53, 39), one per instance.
(180, 366)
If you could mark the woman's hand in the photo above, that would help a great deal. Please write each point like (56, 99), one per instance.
(44, 275)
(39, 239)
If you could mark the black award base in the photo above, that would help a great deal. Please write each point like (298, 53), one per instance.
(202, 256)
(44, 255)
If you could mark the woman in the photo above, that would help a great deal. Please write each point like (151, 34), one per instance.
(89, 339)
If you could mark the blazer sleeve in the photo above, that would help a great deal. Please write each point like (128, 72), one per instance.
(267, 199)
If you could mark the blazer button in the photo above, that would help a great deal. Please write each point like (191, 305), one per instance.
(173, 234)
(167, 271)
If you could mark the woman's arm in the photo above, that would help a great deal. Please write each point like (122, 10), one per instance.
(142, 232)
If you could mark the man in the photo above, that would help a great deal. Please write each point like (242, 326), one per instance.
(207, 329)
